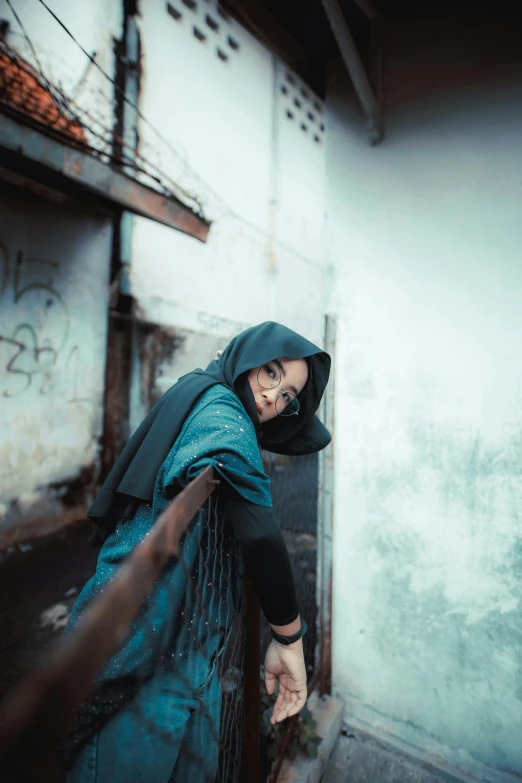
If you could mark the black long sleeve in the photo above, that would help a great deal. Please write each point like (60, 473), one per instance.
(265, 557)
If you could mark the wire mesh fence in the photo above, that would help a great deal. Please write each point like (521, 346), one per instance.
(294, 487)
(153, 659)
(153, 668)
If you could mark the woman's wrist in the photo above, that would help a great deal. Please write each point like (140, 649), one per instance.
(289, 629)
(292, 632)
(298, 645)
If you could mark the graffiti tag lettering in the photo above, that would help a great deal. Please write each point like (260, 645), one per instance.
(34, 328)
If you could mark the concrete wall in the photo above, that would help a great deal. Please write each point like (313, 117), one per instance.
(54, 267)
(257, 173)
(238, 133)
(427, 238)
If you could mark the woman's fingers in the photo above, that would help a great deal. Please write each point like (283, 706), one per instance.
(287, 666)
(279, 707)
(270, 680)
(288, 703)
(285, 712)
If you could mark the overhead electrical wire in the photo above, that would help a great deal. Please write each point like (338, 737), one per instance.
(225, 206)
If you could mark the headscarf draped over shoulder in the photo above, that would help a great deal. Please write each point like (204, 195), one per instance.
(132, 479)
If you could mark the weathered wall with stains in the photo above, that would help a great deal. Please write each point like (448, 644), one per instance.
(243, 136)
(427, 543)
(161, 355)
(54, 267)
(246, 137)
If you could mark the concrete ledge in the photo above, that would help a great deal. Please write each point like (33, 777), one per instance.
(371, 749)
(327, 711)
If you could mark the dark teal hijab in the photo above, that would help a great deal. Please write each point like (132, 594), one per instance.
(132, 479)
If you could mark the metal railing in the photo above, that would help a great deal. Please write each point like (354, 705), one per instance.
(40, 711)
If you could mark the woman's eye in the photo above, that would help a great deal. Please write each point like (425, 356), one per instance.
(269, 371)
(286, 397)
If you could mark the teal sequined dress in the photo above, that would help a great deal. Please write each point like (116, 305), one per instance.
(167, 666)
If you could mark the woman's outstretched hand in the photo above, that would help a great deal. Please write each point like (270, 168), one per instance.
(286, 663)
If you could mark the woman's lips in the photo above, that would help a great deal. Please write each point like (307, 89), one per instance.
(259, 408)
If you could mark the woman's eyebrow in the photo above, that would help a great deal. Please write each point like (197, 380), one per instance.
(283, 373)
(280, 367)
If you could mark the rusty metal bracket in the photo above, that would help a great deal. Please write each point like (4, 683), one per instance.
(355, 69)
(30, 152)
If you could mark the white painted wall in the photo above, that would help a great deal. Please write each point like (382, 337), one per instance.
(257, 173)
(427, 245)
(54, 268)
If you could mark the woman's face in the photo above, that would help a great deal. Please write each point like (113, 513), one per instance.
(293, 374)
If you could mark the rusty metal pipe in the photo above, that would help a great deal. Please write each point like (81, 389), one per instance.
(39, 711)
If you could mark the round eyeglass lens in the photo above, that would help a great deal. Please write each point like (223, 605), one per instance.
(268, 376)
(287, 404)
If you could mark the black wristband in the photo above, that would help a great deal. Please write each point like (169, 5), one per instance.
(291, 639)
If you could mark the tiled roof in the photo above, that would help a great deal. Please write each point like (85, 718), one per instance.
(23, 92)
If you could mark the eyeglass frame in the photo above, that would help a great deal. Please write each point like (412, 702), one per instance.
(283, 391)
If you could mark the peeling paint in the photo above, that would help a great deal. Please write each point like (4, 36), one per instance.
(157, 347)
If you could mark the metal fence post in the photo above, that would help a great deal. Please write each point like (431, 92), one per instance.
(252, 693)
(325, 528)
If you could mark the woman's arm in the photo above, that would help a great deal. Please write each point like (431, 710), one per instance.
(220, 434)
(266, 560)
(267, 563)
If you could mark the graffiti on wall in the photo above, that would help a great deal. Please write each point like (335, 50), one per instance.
(35, 325)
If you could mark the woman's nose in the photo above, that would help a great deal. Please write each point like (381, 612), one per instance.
(270, 395)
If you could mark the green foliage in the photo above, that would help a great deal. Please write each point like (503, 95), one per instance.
(305, 737)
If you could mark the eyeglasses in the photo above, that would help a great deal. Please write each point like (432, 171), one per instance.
(269, 377)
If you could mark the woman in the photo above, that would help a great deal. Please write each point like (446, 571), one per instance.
(155, 712)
